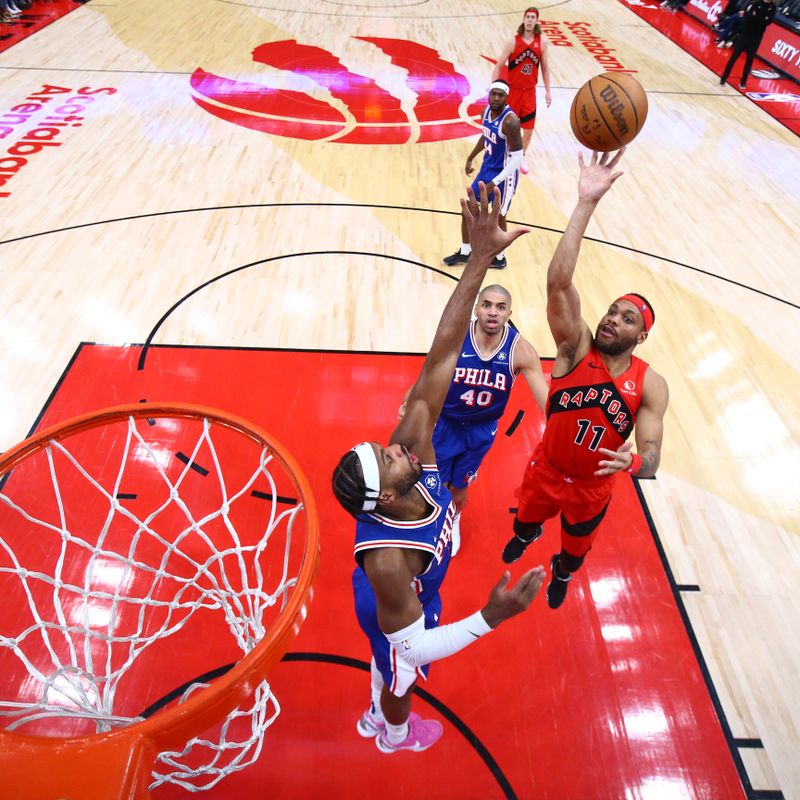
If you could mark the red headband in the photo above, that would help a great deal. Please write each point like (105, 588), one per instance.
(642, 307)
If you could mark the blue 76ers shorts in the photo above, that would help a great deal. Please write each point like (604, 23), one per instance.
(398, 675)
(460, 448)
(506, 187)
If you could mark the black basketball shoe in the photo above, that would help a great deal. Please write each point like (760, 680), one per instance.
(517, 545)
(557, 588)
(454, 260)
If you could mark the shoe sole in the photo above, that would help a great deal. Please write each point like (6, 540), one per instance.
(417, 748)
(367, 733)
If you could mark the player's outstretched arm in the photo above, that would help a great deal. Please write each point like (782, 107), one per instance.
(419, 645)
(427, 395)
(507, 601)
(563, 302)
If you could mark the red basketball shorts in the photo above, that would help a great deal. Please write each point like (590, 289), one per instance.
(545, 492)
(523, 102)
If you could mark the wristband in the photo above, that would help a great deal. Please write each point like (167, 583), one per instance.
(636, 463)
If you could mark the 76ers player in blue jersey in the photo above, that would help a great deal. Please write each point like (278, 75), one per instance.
(501, 143)
(404, 515)
(492, 355)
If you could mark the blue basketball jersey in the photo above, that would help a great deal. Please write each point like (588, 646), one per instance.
(481, 385)
(495, 146)
(432, 535)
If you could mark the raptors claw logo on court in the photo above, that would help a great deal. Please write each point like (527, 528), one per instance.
(348, 108)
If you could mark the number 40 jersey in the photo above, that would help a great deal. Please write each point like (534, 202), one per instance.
(481, 385)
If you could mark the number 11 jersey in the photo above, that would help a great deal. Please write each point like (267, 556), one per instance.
(588, 409)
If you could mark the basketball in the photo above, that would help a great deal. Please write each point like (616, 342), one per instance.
(608, 111)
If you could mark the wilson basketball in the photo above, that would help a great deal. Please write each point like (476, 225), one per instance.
(608, 111)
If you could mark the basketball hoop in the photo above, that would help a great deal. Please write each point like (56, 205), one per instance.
(154, 566)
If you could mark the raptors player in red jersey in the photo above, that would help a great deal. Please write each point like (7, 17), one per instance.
(519, 65)
(599, 390)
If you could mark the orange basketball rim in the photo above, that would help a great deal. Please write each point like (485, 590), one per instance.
(119, 763)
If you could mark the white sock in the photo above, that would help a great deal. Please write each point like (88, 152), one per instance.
(466, 248)
(500, 255)
(376, 687)
(396, 733)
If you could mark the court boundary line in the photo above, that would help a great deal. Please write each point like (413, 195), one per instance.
(385, 16)
(388, 207)
(675, 588)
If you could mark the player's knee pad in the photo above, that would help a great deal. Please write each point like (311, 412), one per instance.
(569, 562)
(527, 530)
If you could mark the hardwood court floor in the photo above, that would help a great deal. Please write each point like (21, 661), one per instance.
(148, 195)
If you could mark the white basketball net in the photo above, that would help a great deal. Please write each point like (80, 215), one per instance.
(112, 588)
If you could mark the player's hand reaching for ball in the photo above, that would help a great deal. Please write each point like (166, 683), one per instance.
(598, 175)
(506, 601)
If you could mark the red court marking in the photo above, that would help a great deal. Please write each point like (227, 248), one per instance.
(780, 98)
(368, 102)
(602, 699)
(439, 88)
(39, 16)
(377, 115)
(254, 106)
